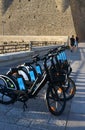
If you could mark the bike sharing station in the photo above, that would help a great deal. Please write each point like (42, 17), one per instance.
(26, 80)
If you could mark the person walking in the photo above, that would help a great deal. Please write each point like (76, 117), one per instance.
(77, 40)
(72, 42)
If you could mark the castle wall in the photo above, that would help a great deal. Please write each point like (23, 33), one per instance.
(78, 14)
(42, 17)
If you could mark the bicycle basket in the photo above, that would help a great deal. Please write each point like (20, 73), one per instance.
(56, 76)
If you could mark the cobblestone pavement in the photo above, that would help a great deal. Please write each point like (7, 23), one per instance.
(37, 116)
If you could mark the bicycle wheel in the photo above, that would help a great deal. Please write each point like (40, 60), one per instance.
(55, 99)
(69, 88)
(4, 95)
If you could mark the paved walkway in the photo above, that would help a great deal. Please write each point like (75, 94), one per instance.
(76, 118)
(37, 116)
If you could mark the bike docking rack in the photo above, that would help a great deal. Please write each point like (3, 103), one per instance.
(24, 85)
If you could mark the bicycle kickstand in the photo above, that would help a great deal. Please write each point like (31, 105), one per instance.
(24, 106)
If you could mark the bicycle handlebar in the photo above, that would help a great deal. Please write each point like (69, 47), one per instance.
(49, 54)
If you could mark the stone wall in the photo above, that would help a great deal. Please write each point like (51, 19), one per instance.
(42, 17)
(78, 14)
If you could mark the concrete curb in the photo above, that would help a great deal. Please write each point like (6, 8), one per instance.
(17, 57)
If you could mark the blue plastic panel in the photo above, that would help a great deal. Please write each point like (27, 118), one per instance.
(21, 83)
(32, 76)
(38, 69)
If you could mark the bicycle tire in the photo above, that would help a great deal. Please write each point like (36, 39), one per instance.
(69, 88)
(4, 96)
(54, 96)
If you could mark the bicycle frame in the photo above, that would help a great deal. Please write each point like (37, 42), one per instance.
(40, 81)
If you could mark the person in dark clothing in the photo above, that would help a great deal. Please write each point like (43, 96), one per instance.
(72, 42)
(77, 40)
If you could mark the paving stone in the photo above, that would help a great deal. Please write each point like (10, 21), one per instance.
(5, 108)
(8, 126)
(18, 113)
(8, 119)
(78, 105)
(24, 122)
(76, 122)
(45, 126)
(34, 115)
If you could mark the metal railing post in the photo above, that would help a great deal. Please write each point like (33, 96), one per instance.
(30, 46)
